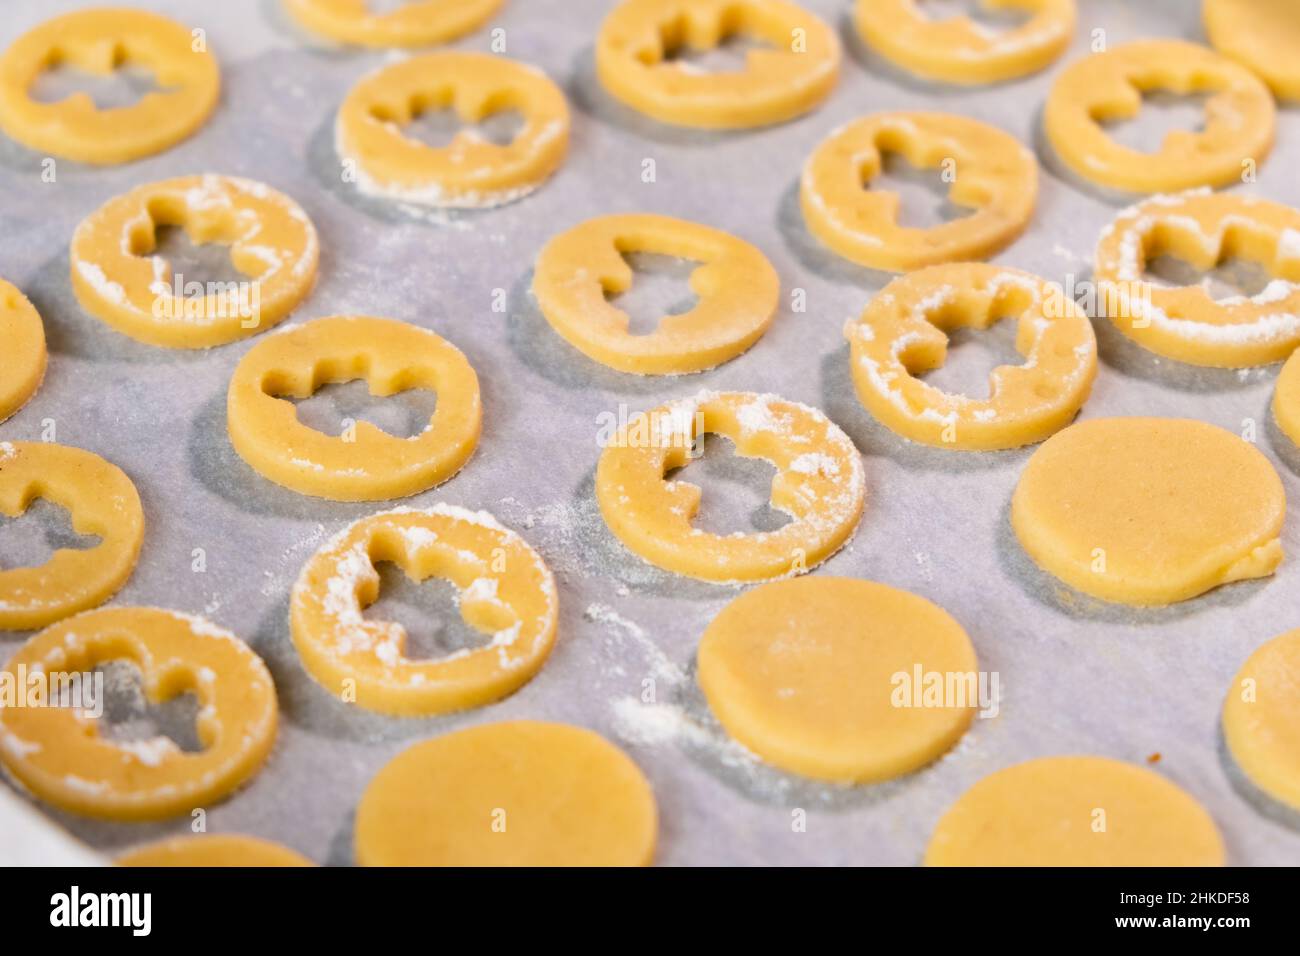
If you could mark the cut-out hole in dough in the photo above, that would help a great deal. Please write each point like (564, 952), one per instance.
(124, 87)
(735, 492)
(977, 11)
(922, 193)
(430, 612)
(336, 406)
(728, 56)
(203, 263)
(131, 718)
(1233, 276)
(437, 127)
(972, 356)
(1162, 112)
(660, 287)
(31, 539)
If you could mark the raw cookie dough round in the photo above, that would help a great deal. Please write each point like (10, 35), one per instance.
(470, 171)
(1286, 399)
(366, 464)
(1149, 511)
(1261, 718)
(98, 41)
(505, 592)
(100, 500)
(415, 23)
(522, 793)
(1185, 322)
(119, 279)
(60, 754)
(819, 483)
(1075, 811)
(825, 677)
(996, 177)
(961, 50)
(1104, 87)
(23, 359)
(214, 849)
(904, 332)
(791, 75)
(737, 287)
(1263, 35)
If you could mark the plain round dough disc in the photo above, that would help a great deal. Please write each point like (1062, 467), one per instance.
(1261, 718)
(803, 673)
(521, 793)
(1075, 811)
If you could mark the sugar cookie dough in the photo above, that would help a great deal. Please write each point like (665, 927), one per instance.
(120, 279)
(60, 754)
(904, 332)
(1262, 35)
(100, 500)
(364, 463)
(522, 793)
(22, 362)
(1286, 399)
(415, 23)
(961, 50)
(826, 677)
(791, 74)
(737, 287)
(1261, 718)
(1075, 811)
(98, 41)
(505, 591)
(819, 483)
(1106, 87)
(1185, 322)
(993, 175)
(214, 849)
(1149, 511)
(470, 171)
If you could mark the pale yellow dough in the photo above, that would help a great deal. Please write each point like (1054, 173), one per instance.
(217, 849)
(470, 171)
(119, 279)
(806, 674)
(365, 463)
(737, 287)
(1149, 511)
(521, 793)
(960, 50)
(1262, 35)
(1075, 811)
(904, 332)
(1286, 399)
(1261, 718)
(23, 359)
(990, 173)
(789, 77)
(415, 23)
(819, 483)
(59, 754)
(505, 591)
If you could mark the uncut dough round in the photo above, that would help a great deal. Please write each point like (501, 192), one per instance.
(1149, 511)
(959, 49)
(100, 500)
(1262, 35)
(59, 754)
(1261, 718)
(415, 23)
(1075, 811)
(737, 287)
(778, 82)
(23, 360)
(215, 849)
(522, 793)
(470, 171)
(1185, 322)
(118, 279)
(804, 673)
(368, 464)
(903, 332)
(1286, 399)
(504, 590)
(1102, 87)
(996, 176)
(819, 483)
(98, 41)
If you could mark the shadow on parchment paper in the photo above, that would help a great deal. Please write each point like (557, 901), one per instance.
(1055, 594)
(1261, 802)
(342, 847)
(1282, 446)
(815, 257)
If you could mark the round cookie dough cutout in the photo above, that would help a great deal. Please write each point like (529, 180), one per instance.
(577, 270)
(414, 23)
(1286, 399)
(521, 793)
(23, 359)
(1075, 811)
(832, 678)
(1149, 511)
(214, 849)
(1261, 719)
(1262, 35)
